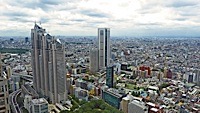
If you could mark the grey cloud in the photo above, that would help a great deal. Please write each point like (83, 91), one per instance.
(181, 19)
(97, 22)
(94, 13)
(15, 14)
(78, 20)
(182, 3)
(19, 19)
(64, 24)
(56, 2)
(183, 13)
(51, 2)
(148, 24)
(45, 5)
(44, 20)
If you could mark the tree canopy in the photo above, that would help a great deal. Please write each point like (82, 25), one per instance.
(95, 106)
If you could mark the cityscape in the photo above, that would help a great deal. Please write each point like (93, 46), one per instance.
(106, 62)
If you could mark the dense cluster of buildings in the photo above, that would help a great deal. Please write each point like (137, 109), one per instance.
(137, 75)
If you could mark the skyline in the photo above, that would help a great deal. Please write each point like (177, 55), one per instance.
(83, 17)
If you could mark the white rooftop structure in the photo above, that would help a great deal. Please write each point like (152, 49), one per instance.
(39, 101)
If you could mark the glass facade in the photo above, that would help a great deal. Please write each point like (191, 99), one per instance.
(111, 100)
(109, 76)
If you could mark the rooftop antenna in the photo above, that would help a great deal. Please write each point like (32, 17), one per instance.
(40, 23)
(35, 21)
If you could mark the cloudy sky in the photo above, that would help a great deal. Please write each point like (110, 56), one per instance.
(83, 17)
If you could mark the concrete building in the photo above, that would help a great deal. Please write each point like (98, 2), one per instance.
(191, 77)
(4, 105)
(125, 101)
(39, 106)
(112, 97)
(48, 64)
(118, 68)
(27, 102)
(81, 93)
(137, 107)
(104, 47)
(94, 60)
(197, 77)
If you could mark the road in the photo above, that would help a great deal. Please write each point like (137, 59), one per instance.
(13, 101)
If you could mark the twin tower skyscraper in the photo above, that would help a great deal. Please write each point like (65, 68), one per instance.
(48, 62)
(48, 65)
(100, 58)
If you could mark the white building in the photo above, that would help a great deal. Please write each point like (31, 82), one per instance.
(190, 77)
(104, 47)
(39, 106)
(137, 107)
(118, 68)
(27, 102)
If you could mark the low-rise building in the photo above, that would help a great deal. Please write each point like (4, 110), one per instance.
(137, 107)
(39, 106)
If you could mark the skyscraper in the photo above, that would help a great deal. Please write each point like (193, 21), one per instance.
(48, 64)
(94, 60)
(109, 76)
(26, 40)
(4, 105)
(104, 47)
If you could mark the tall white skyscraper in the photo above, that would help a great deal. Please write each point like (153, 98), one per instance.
(104, 47)
(48, 64)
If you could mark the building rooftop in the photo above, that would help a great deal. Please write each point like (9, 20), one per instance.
(114, 92)
(39, 101)
(139, 104)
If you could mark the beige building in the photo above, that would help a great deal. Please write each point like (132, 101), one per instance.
(48, 64)
(4, 105)
(125, 101)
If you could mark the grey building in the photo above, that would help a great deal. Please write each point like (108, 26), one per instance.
(110, 76)
(197, 76)
(39, 106)
(94, 60)
(104, 47)
(48, 64)
(137, 107)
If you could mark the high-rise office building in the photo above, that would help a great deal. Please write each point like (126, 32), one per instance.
(109, 76)
(197, 77)
(104, 47)
(48, 64)
(4, 105)
(94, 60)
(26, 40)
